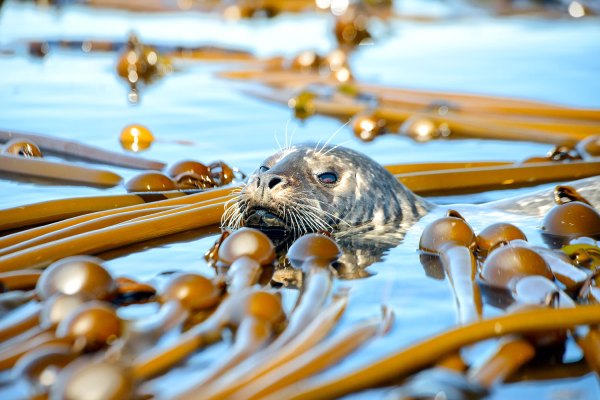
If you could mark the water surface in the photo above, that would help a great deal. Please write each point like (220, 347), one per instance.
(78, 96)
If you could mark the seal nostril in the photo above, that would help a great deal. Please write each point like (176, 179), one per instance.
(257, 182)
(274, 182)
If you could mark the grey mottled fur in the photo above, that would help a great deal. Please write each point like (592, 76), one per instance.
(365, 197)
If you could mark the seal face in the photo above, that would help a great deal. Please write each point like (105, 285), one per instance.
(307, 188)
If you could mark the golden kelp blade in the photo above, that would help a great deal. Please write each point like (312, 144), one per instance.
(62, 172)
(429, 350)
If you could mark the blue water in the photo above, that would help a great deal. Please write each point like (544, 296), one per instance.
(78, 96)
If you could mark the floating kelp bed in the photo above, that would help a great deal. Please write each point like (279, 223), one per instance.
(446, 312)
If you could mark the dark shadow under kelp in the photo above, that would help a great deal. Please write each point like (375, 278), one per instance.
(361, 247)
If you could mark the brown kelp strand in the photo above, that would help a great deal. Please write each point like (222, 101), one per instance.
(57, 172)
(63, 209)
(79, 150)
(112, 237)
(427, 351)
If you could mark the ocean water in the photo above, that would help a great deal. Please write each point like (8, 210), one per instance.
(78, 96)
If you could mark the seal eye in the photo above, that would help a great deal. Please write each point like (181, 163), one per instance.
(328, 178)
(262, 169)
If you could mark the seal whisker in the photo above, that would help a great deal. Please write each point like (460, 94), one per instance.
(336, 146)
(239, 189)
(314, 210)
(231, 207)
(311, 221)
(324, 224)
(317, 146)
(317, 220)
(294, 222)
(285, 215)
(300, 218)
(317, 223)
(297, 219)
(327, 213)
(307, 221)
(334, 134)
(237, 222)
(234, 199)
(292, 135)
(291, 218)
(300, 223)
(277, 140)
(233, 212)
(317, 210)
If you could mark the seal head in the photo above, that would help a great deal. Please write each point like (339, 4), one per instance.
(307, 188)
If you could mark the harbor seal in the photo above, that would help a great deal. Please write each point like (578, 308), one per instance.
(309, 188)
(305, 188)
